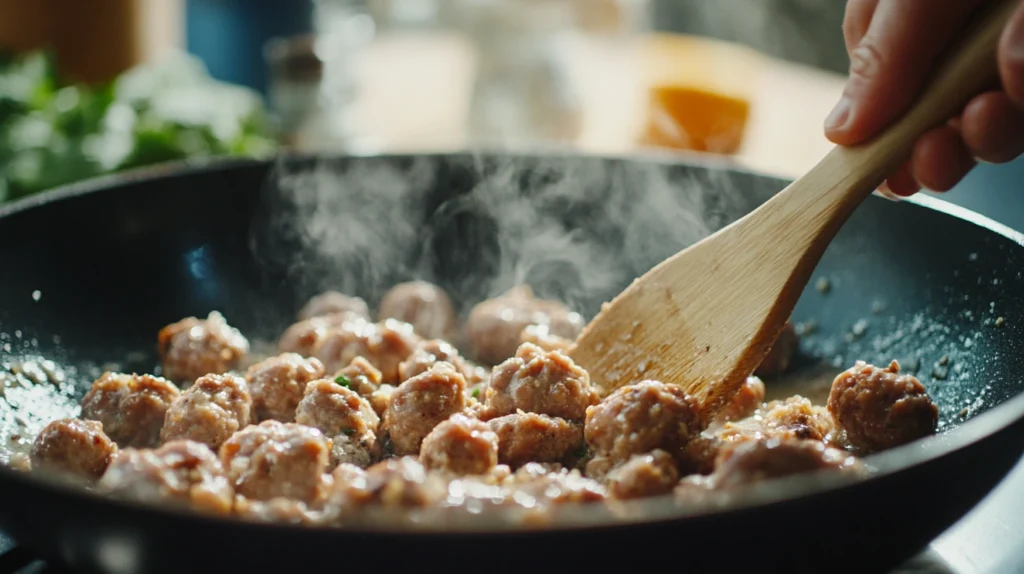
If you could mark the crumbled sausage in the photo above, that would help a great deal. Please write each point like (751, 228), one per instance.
(381, 398)
(360, 376)
(330, 302)
(880, 408)
(755, 460)
(640, 418)
(494, 326)
(195, 347)
(130, 407)
(278, 383)
(421, 403)
(644, 475)
(743, 403)
(529, 437)
(541, 336)
(396, 482)
(431, 351)
(302, 337)
(210, 411)
(795, 417)
(778, 359)
(385, 345)
(423, 305)
(698, 456)
(537, 381)
(344, 417)
(460, 445)
(77, 447)
(180, 472)
(277, 459)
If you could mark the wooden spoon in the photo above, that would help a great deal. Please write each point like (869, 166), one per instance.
(706, 317)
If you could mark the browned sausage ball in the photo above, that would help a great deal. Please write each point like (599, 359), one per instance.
(423, 305)
(560, 487)
(880, 408)
(756, 460)
(130, 407)
(541, 336)
(421, 403)
(381, 398)
(396, 482)
(385, 345)
(795, 417)
(274, 459)
(743, 403)
(302, 337)
(529, 437)
(494, 326)
(330, 302)
(644, 475)
(74, 446)
(195, 347)
(428, 352)
(179, 472)
(536, 381)
(360, 376)
(344, 417)
(640, 418)
(778, 359)
(460, 445)
(210, 411)
(278, 383)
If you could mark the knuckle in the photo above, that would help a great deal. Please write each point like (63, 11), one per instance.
(867, 61)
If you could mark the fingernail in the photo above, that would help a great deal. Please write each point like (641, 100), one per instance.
(886, 192)
(839, 116)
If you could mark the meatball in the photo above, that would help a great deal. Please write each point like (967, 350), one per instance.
(381, 398)
(130, 407)
(278, 383)
(795, 417)
(529, 437)
(180, 472)
(343, 416)
(195, 347)
(330, 302)
(461, 445)
(640, 418)
(541, 336)
(756, 460)
(73, 446)
(360, 376)
(423, 305)
(279, 510)
(421, 403)
(210, 411)
(385, 345)
(540, 382)
(432, 351)
(302, 337)
(560, 487)
(494, 326)
(644, 475)
(743, 403)
(880, 408)
(275, 459)
(397, 482)
(778, 359)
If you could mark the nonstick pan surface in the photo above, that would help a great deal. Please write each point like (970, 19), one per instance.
(91, 272)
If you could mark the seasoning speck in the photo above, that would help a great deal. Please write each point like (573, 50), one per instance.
(37, 295)
(823, 285)
(860, 327)
(944, 360)
(964, 412)
(1000, 321)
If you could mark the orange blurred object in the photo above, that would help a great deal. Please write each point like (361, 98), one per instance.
(698, 95)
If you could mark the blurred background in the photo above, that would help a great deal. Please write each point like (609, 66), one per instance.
(88, 88)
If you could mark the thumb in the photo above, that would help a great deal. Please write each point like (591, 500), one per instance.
(890, 63)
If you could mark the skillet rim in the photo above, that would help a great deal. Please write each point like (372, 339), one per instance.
(651, 511)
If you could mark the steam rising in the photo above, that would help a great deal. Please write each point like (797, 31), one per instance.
(576, 229)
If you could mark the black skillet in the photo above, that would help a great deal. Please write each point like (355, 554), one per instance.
(89, 273)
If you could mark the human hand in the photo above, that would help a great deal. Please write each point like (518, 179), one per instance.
(893, 45)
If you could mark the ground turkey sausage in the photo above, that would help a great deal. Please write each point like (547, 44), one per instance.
(880, 408)
(743, 403)
(130, 407)
(756, 460)
(210, 411)
(460, 445)
(643, 475)
(277, 459)
(543, 382)
(396, 482)
(529, 437)
(277, 384)
(796, 417)
(360, 376)
(494, 326)
(423, 305)
(195, 347)
(385, 345)
(344, 417)
(778, 359)
(180, 472)
(421, 403)
(639, 418)
(302, 337)
(541, 336)
(74, 446)
(330, 302)
(431, 351)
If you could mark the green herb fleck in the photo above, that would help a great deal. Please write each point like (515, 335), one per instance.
(343, 381)
(476, 393)
(581, 452)
(349, 432)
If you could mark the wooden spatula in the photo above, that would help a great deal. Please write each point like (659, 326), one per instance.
(706, 317)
